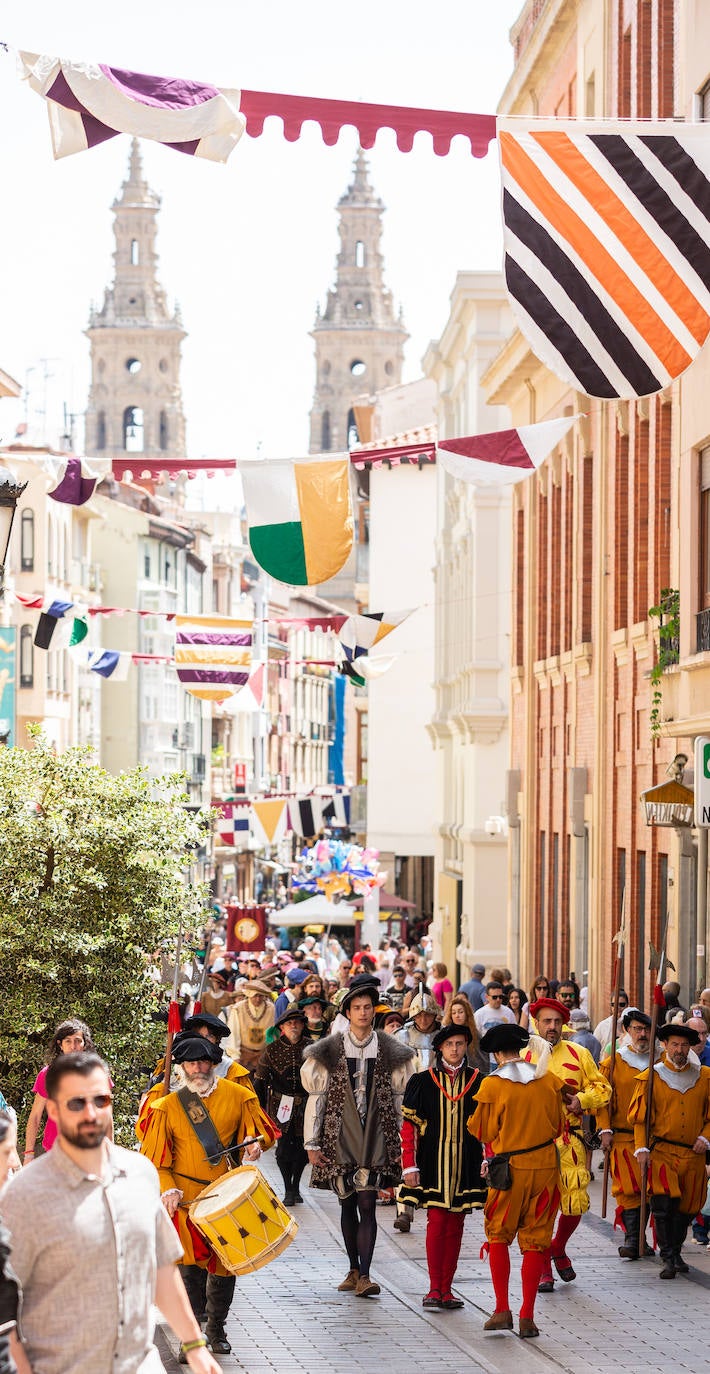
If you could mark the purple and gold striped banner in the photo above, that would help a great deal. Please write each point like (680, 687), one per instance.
(212, 655)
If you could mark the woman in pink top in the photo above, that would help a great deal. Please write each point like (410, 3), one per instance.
(442, 988)
(69, 1037)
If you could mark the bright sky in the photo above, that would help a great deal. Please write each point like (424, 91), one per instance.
(247, 248)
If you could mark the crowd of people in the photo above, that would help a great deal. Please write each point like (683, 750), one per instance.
(398, 1090)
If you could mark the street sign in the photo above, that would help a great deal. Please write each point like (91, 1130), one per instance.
(702, 782)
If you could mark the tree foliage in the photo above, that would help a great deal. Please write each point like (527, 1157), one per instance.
(92, 880)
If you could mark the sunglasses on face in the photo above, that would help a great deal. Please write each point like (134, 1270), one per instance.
(541, 987)
(77, 1104)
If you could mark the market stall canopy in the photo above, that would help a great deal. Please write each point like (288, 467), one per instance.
(314, 909)
(388, 902)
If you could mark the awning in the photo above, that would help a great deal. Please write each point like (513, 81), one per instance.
(388, 902)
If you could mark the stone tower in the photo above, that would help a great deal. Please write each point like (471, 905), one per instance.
(359, 338)
(135, 403)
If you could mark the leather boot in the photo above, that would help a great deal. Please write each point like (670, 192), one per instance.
(195, 1281)
(632, 1225)
(285, 1172)
(681, 1221)
(220, 1291)
(662, 1208)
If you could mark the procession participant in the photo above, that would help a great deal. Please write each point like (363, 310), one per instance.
(617, 1135)
(585, 1090)
(211, 1028)
(460, 1013)
(679, 1139)
(248, 1021)
(441, 1164)
(69, 1037)
(313, 1009)
(186, 1131)
(417, 1033)
(218, 997)
(388, 1019)
(277, 1081)
(518, 1114)
(91, 1245)
(295, 977)
(355, 1081)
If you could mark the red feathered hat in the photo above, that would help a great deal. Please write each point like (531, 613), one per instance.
(553, 1004)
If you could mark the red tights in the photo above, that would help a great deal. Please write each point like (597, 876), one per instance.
(566, 1227)
(499, 1260)
(444, 1233)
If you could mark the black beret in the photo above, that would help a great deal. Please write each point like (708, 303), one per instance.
(507, 1036)
(213, 1024)
(445, 1033)
(292, 1013)
(194, 1047)
(673, 1028)
(364, 985)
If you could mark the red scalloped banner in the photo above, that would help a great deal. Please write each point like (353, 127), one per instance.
(334, 115)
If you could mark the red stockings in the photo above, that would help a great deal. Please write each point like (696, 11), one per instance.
(499, 1260)
(531, 1274)
(444, 1233)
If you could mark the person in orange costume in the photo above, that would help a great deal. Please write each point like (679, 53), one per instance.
(172, 1145)
(519, 1111)
(616, 1133)
(211, 1028)
(584, 1090)
(680, 1137)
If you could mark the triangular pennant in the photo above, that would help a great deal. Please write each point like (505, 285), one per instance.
(504, 456)
(269, 820)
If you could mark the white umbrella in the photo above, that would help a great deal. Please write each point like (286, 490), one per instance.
(314, 911)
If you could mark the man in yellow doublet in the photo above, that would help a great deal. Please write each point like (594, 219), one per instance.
(585, 1089)
(211, 1028)
(680, 1138)
(617, 1134)
(171, 1143)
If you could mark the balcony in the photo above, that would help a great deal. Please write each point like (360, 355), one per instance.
(525, 25)
(702, 631)
(198, 767)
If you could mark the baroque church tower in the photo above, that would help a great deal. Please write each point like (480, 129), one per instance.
(135, 403)
(359, 339)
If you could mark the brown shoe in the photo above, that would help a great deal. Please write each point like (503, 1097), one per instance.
(366, 1287)
(500, 1321)
(527, 1328)
(350, 1282)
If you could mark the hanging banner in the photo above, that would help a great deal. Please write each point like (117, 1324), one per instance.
(300, 517)
(212, 655)
(505, 456)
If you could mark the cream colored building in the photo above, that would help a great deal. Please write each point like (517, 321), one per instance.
(468, 724)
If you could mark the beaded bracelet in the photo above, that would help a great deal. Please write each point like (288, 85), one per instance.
(187, 1346)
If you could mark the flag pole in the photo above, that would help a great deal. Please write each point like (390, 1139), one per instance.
(174, 1022)
(619, 940)
(659, 962)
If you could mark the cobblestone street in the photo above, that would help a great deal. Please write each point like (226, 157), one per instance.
(616, 1317)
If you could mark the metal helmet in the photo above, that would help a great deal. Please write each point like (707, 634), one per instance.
(423, 1002)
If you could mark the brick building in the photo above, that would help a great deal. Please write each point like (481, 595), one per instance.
(595, 541)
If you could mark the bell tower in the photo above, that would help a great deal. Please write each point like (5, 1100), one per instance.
(135, 402)
(359, 339)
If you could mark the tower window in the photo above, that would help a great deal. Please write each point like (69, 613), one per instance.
(101, 367)
(358, 368)
(325, 431)
(27, 541)
(389, 368)
(163, 430)
(133, 429)
(133, 365)
(326, 369)
(359, 253)
(135, 253)
(27, 657)
(353, 436)
(101, 430)
(163, 364)
(358, 305)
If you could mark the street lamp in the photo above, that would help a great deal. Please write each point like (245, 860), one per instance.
(10, 492)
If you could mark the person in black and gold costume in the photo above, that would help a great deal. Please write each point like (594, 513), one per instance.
(277, 1081)
(441, 1162)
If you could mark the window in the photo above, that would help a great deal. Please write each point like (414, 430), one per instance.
(27, 657)
(360, 253)
(705, 528)
(357, 305)
(325, 431)
(135, 253)
(358, 368)
(101, 430)
(353, 437)
(133, 365)
(163, 431)
(133, 429)
(389, 368)
(51, 554)
(27, 541)
(163, 364)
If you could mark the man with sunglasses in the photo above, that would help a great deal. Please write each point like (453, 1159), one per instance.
(92, 1245)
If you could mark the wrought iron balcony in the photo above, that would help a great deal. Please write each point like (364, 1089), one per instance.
(702, 631)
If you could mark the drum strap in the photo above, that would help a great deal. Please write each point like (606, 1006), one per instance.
(202, 1124)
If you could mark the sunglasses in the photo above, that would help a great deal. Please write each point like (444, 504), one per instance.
(542, 987)
(496, 996)
(77, 1104)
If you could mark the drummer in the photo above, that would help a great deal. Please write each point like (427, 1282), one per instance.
(179, 1145)
(212, 1028)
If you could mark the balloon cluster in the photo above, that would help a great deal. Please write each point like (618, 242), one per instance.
(338, 869)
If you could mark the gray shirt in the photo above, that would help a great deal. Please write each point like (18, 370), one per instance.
(86, 1251)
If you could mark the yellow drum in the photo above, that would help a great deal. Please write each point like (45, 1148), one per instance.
(242, 1219)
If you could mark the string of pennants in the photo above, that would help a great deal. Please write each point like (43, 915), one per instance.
(268, 819)
(606, 223)
(213, 654)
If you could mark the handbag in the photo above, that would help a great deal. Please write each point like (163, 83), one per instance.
(499, 1172)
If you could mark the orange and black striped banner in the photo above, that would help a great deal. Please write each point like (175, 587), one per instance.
(607, 248)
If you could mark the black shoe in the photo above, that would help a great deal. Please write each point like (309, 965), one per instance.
(219, 1345)
(680, 1265)
(450, 1303)
(432, 1299)
(289, 1199)
(297, 1197)
(402, 1222)
(668, 1270)
(546, 1286)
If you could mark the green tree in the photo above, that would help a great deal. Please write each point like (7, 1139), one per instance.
(91, 882)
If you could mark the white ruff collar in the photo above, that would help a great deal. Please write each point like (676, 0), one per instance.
(515, 1071)
(634, 1060)
(681, 1080)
